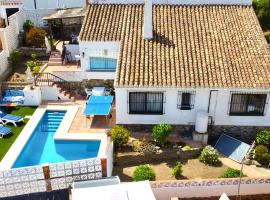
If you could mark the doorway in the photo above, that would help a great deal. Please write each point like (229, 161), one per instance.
(11, 11)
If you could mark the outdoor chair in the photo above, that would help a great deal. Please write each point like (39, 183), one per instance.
(4, 131)
(9, 118)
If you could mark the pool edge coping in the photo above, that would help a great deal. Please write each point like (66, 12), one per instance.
(61, 134)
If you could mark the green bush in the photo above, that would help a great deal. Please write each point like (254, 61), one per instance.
(177, 170)
(14, 58)
(120, 136)
(263, 137)
(262, 9)
(36, 37)
(186, 148)
(161, 132)
(209, 156)
(144, 172)
(267, 36)
(27, 26)
(265, 160)
(261, 155)
(231, 173)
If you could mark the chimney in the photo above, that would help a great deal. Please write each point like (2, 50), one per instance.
(148, 26)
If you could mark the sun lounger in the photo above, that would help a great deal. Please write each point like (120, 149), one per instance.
(9, 118)
(4, 131)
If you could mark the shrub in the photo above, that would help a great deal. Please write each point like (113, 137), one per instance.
(263, 137)
(27, 26)
(14, 58)
(267, 36)
(209, 156)
(120, 136)
(137, 146)
(161, 132)
(144, 172)
(265, 160)
(34, 56)
(177, 170)
(186, 148)
(231, 173)
(261, 155)
(261, 8)
(36, 37)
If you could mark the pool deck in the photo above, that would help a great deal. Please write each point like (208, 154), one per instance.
(91, 124)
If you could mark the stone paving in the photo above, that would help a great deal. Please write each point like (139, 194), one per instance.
(249, 170)
(91, 124)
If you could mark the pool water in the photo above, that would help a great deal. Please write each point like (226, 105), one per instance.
(42, 148)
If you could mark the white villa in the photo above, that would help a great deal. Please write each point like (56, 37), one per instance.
(170, 62)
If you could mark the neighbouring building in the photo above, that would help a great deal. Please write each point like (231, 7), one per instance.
(171, 61)
(8, 8)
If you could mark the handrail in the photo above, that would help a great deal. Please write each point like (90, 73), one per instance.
(50, 79)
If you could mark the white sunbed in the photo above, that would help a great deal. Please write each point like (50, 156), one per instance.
(9, 118)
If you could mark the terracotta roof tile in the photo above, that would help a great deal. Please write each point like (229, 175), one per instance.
(193, 46)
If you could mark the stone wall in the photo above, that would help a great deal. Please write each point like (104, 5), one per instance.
(244, 133)
(79, 87)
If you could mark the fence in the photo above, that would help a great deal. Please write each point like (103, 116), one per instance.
(163, 190)
(52, 177)
(9, 38)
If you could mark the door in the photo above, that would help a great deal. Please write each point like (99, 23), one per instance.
(212, 105)
(11, 11)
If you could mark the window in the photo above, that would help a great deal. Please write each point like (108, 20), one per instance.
(186, 100)
(102, 64)
(146, 103)
(248, 104)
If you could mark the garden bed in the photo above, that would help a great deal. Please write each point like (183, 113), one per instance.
(127, 160)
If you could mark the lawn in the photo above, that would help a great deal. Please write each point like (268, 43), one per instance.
(7, 141)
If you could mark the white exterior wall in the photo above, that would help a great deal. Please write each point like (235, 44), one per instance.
(27, 4)
(96, 49)
(173, 115)
(73, 49)
(49, 93)
(175, 2)
(3, 13)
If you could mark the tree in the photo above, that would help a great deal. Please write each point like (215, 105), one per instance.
(262, 9)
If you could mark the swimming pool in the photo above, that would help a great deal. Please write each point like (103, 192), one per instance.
(42, 148)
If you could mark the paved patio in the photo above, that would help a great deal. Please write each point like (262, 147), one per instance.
(91, 124)
(70, 67)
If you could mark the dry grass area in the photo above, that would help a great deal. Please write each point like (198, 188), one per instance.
(126, 162)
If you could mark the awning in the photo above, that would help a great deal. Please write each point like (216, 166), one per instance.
(66, 13)
(98, 105)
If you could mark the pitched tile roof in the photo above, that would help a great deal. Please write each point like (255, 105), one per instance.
(204, 46)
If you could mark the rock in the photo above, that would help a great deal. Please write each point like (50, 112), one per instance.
(247, 161)
(254, 162)
(157, 148)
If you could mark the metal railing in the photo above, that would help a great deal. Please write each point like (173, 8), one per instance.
(48, 79)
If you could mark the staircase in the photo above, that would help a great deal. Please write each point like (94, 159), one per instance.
(55, 58)
(63, 87)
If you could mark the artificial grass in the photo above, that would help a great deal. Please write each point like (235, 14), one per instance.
(7, 141)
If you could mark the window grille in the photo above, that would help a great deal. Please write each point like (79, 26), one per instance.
(248, 104)
(146, 102)
(186, 100)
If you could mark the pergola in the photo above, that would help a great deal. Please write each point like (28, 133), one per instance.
(70, 21)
